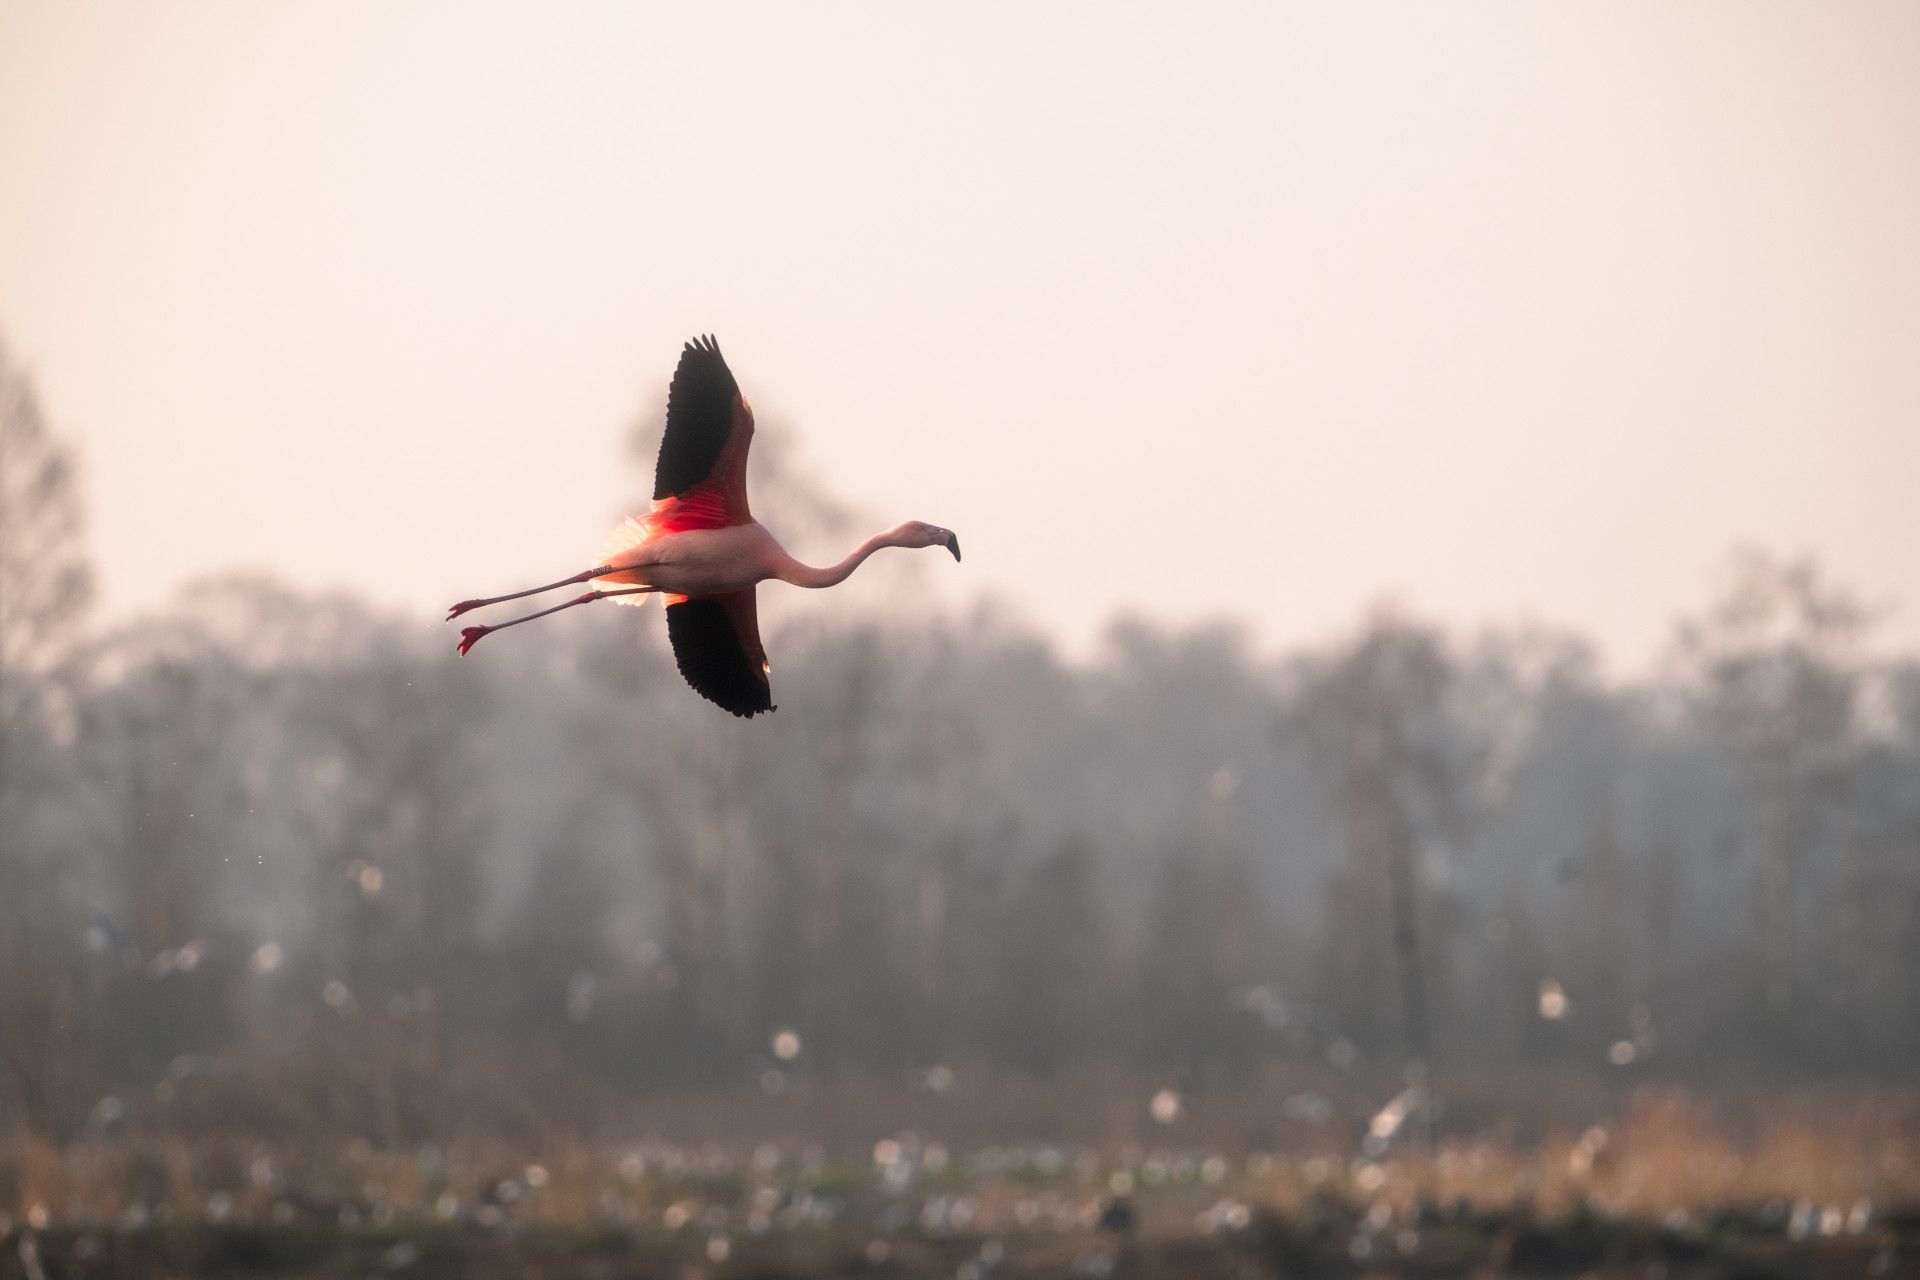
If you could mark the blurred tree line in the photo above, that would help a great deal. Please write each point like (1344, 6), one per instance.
(264, 843)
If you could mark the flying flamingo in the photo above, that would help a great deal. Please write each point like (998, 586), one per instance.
(701, 549)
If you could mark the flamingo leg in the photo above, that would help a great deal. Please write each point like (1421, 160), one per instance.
(587, 575)
(470, 636)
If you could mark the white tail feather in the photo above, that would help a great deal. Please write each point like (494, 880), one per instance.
(626, 537)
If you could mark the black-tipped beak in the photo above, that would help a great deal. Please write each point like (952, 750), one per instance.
(953, 544)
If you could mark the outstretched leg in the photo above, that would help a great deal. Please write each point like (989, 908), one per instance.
(599, 571)
(470, 636)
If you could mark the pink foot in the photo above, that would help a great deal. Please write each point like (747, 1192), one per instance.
(470, 636)
(462, 607)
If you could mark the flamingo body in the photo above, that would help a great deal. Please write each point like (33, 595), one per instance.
(700, 548)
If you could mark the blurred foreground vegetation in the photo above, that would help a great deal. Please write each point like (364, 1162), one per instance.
(1657, 1193)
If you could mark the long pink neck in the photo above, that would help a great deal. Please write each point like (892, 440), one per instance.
(805, 575)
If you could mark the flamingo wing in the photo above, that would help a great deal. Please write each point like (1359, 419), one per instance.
(709, 430)
(716, 643)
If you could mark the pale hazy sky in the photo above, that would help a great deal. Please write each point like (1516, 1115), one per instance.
(1511, 311)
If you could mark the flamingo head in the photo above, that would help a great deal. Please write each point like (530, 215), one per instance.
(918, 533)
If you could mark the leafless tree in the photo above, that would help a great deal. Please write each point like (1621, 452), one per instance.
(44, 591)
(1776, 665)
(1376, 717)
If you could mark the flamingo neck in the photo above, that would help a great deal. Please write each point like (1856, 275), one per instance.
(805, 575)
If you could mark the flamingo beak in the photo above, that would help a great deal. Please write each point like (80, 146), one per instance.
(953, 544)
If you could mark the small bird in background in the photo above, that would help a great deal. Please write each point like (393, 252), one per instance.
(700, 548)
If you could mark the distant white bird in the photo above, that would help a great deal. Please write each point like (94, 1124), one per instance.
(700, 547)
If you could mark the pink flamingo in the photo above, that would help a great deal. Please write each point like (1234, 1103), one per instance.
(700, 547)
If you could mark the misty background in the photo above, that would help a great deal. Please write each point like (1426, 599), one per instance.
(278, 863)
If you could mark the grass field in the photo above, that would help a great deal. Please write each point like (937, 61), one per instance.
(1668, 1187)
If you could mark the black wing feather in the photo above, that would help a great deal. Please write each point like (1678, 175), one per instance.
(699, 418)
(711, 657)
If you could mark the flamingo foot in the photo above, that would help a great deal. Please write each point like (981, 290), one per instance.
(463, 606)
(470, 636)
